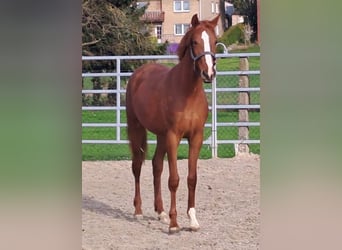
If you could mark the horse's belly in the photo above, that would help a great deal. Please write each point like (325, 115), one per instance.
(150, 115)
(154, 125)
(157, 121)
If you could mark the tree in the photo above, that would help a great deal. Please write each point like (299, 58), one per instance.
(248, 8)
(113, 27)
(108, 30)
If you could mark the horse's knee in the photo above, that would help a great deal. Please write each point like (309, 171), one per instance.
(192, 181)
(173, 183)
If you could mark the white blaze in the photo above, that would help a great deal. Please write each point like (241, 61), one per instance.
(208, 58)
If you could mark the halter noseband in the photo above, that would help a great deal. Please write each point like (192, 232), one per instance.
(195, 58)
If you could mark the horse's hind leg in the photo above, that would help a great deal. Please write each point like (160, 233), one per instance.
(157, 163)
(137, 136)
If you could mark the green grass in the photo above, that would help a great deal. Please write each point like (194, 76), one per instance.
(121, 152)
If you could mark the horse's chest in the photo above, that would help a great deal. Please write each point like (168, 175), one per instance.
(186, 114)
(190, 120)
(193, 118)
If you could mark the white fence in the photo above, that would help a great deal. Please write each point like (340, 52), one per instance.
(212, 140)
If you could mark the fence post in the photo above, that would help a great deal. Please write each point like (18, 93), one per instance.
(213, 120)
(243, 100)
(118, 98)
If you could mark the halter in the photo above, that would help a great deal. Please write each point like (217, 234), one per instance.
(195, 58)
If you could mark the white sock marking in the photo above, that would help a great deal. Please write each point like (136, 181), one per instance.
(208, 58)
(193, 221)
(163, 217)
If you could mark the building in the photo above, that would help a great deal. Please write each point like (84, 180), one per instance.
(170, 20)
(155, 16)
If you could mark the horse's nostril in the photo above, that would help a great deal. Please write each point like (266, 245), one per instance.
(206, 77)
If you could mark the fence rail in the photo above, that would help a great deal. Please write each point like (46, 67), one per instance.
(214, 106)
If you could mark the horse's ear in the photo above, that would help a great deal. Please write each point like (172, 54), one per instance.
(194, 20)
(215, 20)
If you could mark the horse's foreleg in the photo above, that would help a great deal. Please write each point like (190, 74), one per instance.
(195, 144)
(171, 145)
(157, 163)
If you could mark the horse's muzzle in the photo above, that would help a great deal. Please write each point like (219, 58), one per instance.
(206, 78)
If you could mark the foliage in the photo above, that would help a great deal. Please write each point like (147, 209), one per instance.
(248, 9)
(122, 3)
(233, 35)
(114, 28)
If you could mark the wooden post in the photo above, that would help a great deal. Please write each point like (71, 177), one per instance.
(243, 100)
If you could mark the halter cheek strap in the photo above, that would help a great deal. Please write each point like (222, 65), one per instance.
(195, 58)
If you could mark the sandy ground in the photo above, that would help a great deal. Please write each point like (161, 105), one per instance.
(227, 206)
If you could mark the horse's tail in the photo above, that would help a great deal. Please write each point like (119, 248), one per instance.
(137, 134)
(138, 142)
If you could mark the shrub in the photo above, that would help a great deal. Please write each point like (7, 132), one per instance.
(233, 35)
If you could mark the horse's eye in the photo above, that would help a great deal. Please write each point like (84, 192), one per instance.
(194, 42)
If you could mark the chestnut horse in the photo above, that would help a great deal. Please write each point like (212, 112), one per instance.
(171, 103)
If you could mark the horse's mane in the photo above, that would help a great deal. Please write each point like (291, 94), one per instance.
(185, 43)
(186, 40)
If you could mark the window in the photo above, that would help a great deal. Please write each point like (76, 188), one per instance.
(181, 6)
(181, 29)
(214, 7)
(159, 31)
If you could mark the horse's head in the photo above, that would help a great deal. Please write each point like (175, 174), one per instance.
(202, 46)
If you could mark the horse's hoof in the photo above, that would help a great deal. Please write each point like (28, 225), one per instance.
(173, 230)
(164, 218)
(139, 216)
(194, 228)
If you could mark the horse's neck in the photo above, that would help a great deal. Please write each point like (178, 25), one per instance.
(188, 79)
